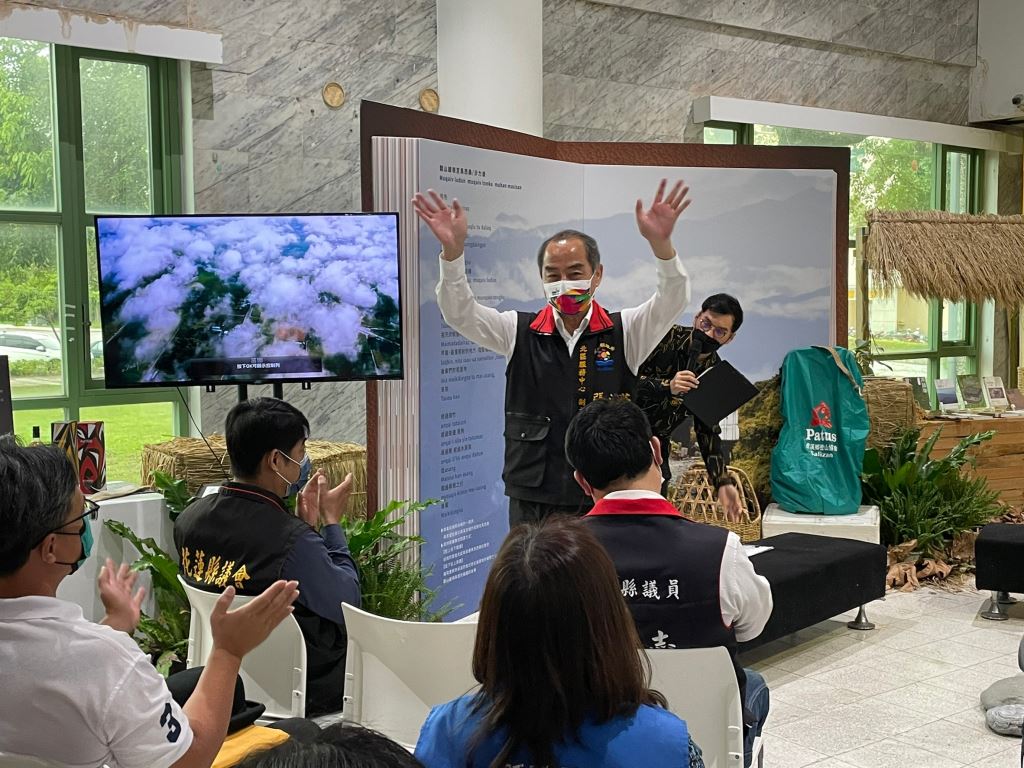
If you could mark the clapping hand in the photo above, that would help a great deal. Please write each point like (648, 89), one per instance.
(123, 608)
(657, 222)
(238, 632)
(449, 225)
(318, 503)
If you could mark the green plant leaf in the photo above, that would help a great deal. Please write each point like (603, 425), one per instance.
(175, 493)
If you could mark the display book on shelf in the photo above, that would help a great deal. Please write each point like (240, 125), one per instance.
(983, 396)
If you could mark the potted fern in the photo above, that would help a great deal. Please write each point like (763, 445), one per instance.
(927, 499)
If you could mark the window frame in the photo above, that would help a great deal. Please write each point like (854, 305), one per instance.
(71, 221)
(940, 349)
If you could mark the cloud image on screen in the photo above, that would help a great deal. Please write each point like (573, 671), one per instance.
(202, 299)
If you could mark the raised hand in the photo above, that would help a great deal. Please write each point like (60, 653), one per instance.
(317, 502)
(657, 222)
(238, 632)
(307, 504)
(123, 608)
(449, 225)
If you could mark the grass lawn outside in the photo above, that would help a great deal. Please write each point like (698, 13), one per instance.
(127, 428)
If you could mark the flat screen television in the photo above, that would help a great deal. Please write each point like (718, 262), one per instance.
(243, 299)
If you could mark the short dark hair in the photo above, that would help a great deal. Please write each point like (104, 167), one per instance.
(608, 440)
(589, 243)
(555, 642)
(339, 746)
(255, 427)
(724, 304)
(37, 485)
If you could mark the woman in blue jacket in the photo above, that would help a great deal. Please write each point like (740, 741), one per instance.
(563, 680)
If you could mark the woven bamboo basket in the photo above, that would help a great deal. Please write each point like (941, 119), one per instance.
(694, 496)
(189, 459)
(891, 409)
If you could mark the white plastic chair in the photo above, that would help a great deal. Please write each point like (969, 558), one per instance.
(700, 686)
(397, 670)
(274, 672)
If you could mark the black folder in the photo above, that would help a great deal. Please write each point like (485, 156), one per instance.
(722, 391)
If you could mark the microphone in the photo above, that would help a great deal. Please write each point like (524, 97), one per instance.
(696, 348)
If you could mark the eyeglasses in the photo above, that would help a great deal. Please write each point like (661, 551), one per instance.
(708, 327)
(92, 511)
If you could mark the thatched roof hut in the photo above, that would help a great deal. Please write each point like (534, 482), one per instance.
(954, 256)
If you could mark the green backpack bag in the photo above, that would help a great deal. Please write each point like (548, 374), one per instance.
(817, 463)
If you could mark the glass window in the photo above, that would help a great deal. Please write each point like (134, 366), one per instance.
(898, 174)
(957, 194)
(26, 126)
(901, 368)
(950, 367)
(24, 421)
(954, 321)
(95, 336)
(30, 316)
(720, 135)
(116, 137)
(116, 155)
(126, 429)
(898, 321)
(891, 174)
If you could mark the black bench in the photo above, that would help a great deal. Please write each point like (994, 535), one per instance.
(999, 559)
(814, 578)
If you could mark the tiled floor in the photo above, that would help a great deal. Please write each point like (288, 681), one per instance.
(903, 694)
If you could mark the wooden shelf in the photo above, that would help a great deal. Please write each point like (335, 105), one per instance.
(1000, 460)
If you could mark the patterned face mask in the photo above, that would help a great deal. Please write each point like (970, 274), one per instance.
(569, 297)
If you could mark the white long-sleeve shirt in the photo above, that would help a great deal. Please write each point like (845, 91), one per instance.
(642, 327)
(744, 596)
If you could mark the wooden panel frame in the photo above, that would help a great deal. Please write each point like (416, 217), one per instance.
(384, 120)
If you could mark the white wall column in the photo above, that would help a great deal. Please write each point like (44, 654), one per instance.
(490, 62)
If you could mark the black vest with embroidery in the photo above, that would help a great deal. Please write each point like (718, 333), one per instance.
(544, 388)
(250, 535)
(669, 568)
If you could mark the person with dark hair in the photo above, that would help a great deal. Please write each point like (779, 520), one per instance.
(338, 746)
(79, 693)
(245, 535)
(688, 585)
(571, 352)
(672, 370)
(561, 678)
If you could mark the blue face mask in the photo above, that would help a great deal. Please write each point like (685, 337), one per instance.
(86, 536)
(305, 470)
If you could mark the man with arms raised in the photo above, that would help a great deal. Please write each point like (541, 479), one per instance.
(83, 694)
(568, 354)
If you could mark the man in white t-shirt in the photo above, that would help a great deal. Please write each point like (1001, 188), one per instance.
(83, 694)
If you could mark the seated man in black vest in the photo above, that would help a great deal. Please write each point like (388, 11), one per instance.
(688, 585)
(245, 536)
(566, 355)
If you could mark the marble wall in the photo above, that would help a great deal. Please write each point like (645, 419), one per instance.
(264, 141)
(629, 70)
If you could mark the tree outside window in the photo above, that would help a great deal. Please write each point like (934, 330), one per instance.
(82, 133)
